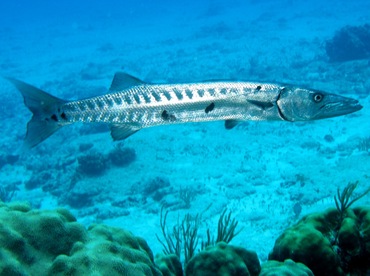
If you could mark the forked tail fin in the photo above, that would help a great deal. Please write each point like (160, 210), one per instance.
(43, 107)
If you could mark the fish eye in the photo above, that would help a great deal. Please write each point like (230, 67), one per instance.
(318, 97)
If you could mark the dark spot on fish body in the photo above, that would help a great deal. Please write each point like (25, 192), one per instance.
(127, 99)
(146, 98)
(223, 91)
(234, 91)
(137, 98)
(109, 102)
(258, 88)
(189, 93)
(90, 105)
(82, 106)
(167, 95)
(201, 92)
(123, 117)
(117, 100)
(111, 118)
(103, 117)
(100, 103)
(167, 117)
(54, 118)
(211, 92)
(178, 94)
(130, 117)
(209, 108)
(156, 96)
(63, 116)
(92, 117)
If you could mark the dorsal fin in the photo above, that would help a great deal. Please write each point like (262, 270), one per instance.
(122, 81)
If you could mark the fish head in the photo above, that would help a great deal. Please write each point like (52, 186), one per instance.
(299, 104)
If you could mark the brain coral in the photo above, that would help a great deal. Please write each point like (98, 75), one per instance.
(327, 245)
(287, 268)
(224, 259)
(34, 242)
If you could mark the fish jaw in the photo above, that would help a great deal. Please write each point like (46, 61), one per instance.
(299, 104)
(338, 106)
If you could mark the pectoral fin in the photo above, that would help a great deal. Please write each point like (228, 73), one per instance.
(122, 131)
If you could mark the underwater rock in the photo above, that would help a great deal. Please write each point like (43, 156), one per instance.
(85, 146)
(327, 244)
(329, 138)
(34, 242)
(82, 194)
(287, 268)
(8, 159)
(38, 180)
(92, 164)
(224, 259)
(122, 157)
(349, 43)
(157, 188)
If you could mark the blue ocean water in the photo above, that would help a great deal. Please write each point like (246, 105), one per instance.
(269, 174)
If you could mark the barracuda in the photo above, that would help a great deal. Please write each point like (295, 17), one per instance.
(133, 104)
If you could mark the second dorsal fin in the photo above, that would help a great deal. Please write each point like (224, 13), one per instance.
(122, 81)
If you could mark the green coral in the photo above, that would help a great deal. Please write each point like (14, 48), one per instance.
(169, 265)
(31, 239)
(34, 242)
(224, 259)
(286, 268)
(329, 243)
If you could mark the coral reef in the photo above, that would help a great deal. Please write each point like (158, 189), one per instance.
(92, 164)
(109, 251)
(185, 238)
(34, 242)
(349, 43)
(327, 244)
(287, 268)
(169, 265)
(157, 188)
(121, 156)
(31, 239)
(224, 259)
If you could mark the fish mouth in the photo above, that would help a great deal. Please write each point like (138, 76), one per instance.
(343, 106)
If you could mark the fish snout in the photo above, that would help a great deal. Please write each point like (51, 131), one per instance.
(338, 106)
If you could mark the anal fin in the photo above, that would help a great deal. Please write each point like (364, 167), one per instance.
(122, 131)
(229, 124)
